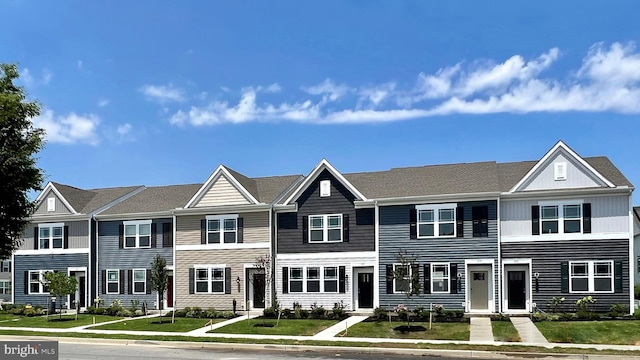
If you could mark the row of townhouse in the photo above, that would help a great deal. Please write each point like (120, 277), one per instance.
(486, 237)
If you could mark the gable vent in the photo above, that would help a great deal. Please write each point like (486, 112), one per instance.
(560, 171)
(325, 188)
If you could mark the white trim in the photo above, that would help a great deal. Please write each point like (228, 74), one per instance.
(425, 199)
(328, 255)
(41, 282)
(210, 279)
(522, 264)
(53, 251)
(50, 226)
(325, 228)
(376, 266)
(51, 204)
(499, 268)
(491, 284)
(632, 218)
(106, 279)
(133, 280)
(220, 171)
(86, 277)
(564, 237)
(435, 208)
(222, 209)
(565, 193)
(561, 202)
(137, 236)
(221, 228)
(200, 266)
(77, 268)
(173, 251)
(448, 281)
(235, 246)
(324, 164)
(591, 276)
(408, 278)
(547, 156)
(52, 187)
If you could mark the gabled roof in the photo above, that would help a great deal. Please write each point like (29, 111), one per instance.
(560, 146)
(155, 199)
(86, 201)
(322, 165)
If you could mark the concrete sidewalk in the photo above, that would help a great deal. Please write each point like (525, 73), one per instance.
(480, 330)
(338, 328)
(203, 330)
(528, 331)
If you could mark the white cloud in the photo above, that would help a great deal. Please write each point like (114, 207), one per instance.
(273, 88)
(69, 129)
(33, 80)
(25, 75)
(103, 102)
(162, 93)
(124, 129)
(608, 80)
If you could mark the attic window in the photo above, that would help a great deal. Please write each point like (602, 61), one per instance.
(51, 204)
(325, 188)
(560, 171)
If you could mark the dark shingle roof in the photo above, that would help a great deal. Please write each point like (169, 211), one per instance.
(636, 210)
(86, 201)
(269, 188)
(155, 198)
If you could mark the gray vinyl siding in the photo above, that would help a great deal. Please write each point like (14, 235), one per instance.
(547, 257)
(60, 207)
(361, 222)
(60, 262)
(577, 176)
(395, 237)
(78, 234)
(609, 214)
(111, 257)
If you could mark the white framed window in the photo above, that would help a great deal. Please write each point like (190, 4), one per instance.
(561, 218)
(591, 276)
(51, 236)
(313, 279)
(222, 228)
(402, 278)
(5, 266)
(137, 234)
(440, 277)
(210, 280)
(5, 287)
(51, 204)
(113, 281)
(296, 279)
(139, 281)
(330, 279)
(436, 220)
(325, 228)
(37, 283)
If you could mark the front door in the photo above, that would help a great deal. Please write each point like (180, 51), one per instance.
(80, 294)
(82, 290)
(170, 291)
(258, 282)
(479, 290)
(365, 290)
(516, 290)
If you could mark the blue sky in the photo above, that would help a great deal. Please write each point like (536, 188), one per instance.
(161, 92)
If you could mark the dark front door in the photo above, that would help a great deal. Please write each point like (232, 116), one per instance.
(72, 296)
(258, 291)
(82, 291)
(517, 290)
(365, 290)
(170, 291)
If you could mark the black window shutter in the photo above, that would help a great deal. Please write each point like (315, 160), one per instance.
(453, 274)
(564, 277)
(121, 236)
(415, 274)
(342, 279)
(148, 284)
(192, 276)
(36, 243)
(203, 231)
(345, 228)
(227, 280)
(427, 278)
(240, 230)
(617, 276)
(26, 282)
(154, 234)
(586, 218)
(104, 281)
(460, 222)
(413, 222)
(305, 229)
(121, 278)
(535, 220)
(285, 280)
(167, 235)
(65, 236)
(130, 281)
(389, 279)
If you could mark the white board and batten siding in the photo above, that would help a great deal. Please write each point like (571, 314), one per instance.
(572, 176)
(58, 205)
(609, 215)
(222, 192)
(327, 300)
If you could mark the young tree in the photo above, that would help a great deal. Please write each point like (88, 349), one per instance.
(406, 276)
(19, 142)
(159, 277)
(60, 284)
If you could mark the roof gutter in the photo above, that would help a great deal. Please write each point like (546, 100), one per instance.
(222, 209)
(135, 216)
(408, 200)
(536, 194)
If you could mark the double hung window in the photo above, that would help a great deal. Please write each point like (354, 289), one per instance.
(37, 283)
(113, 281)
(325, 228)
(137, 234)
(222, 229)
(591, 276)
(440, 278)
(51, 236)
(210, 280)
(436, 220)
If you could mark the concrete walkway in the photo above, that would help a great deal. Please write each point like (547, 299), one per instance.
(203, 330)
(340, 327)
(529, 333)
(480, 330)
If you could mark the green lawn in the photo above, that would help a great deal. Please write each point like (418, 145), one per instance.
(68, 321)
(295, 327)
(504, 331)
(154, 324)
(619, 332)
(6, 316)
(384, 329)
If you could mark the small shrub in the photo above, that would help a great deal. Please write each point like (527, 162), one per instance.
(636, 292)
(301, 313)
(227, 315)
(555, 302)
(337, 311)
(317, 312)
(124, 313)
(380, 313)
(541, 316)
(211, 313)
(138, 312)
(181, 313)
(503, 317)
(636, 314)
(90, 310)
(287, 313)
(17, 310)
(269, 313)
(29, 312)
(618, 310)
(99, 311)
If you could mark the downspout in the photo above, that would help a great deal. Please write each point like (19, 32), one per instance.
(376, 267)
(631, 256)
(499, 264)
(271, 257)
(175, 267)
